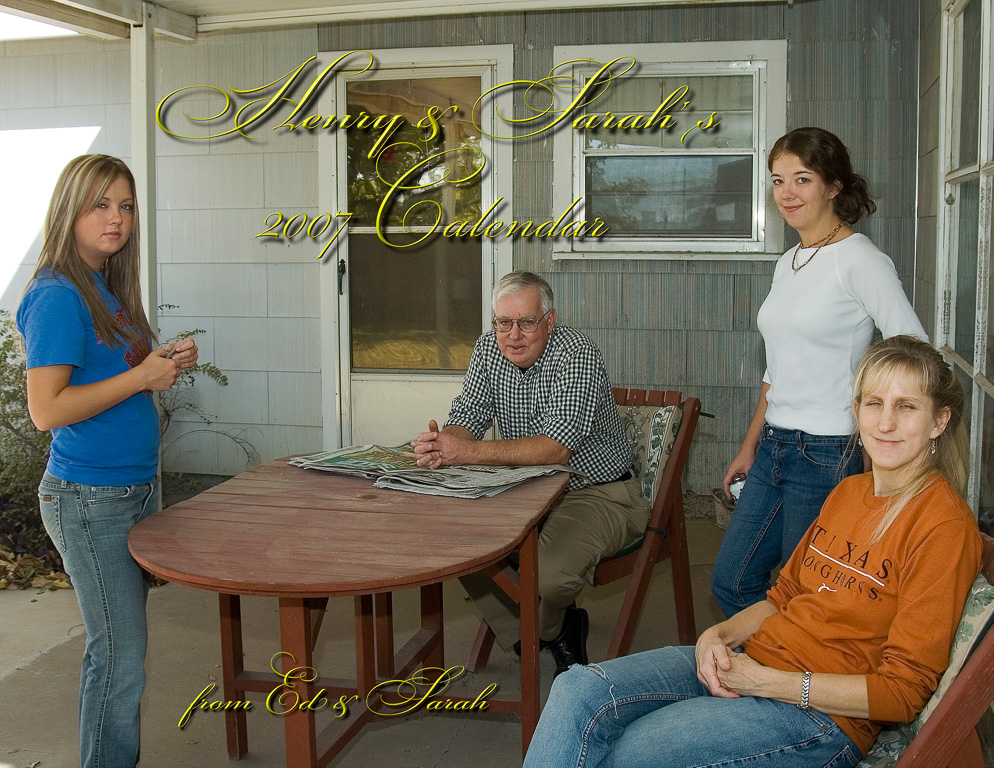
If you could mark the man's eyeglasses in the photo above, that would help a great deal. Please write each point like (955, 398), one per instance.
(525, 324)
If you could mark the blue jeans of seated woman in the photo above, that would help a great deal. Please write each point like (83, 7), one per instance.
(787, 484)
(89, 525)
(650, 710)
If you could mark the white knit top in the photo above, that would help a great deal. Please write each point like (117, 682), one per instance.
(818, 322)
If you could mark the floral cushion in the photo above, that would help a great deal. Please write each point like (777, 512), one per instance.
(977, 615)
(652, 432)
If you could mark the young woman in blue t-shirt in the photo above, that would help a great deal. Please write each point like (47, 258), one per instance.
(91, 374)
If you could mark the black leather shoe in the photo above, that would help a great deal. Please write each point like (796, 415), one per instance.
(570, 646)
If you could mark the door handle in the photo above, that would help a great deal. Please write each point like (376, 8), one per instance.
(341, 277)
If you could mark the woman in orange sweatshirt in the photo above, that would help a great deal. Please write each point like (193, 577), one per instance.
(855, 633)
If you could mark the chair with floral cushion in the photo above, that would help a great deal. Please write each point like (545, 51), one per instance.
(944, 733)
(660, 426)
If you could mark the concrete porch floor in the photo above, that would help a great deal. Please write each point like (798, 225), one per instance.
(41, 643)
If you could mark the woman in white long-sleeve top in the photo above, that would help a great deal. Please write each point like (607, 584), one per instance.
(827, 295)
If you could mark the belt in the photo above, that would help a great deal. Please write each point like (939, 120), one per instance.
(627, 476)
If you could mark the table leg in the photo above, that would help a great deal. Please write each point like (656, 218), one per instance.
(528, 580)
(365, 658)
(295, 640)
(431, 618)
(232, 664)
(383, 610)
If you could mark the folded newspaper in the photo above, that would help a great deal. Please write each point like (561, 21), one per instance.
(397, 469)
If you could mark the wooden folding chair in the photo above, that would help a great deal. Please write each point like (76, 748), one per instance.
(949, 736)
(665, 537)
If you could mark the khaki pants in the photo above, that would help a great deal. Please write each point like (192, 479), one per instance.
(583, 527)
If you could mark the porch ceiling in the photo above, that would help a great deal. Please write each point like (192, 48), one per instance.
(184, 18)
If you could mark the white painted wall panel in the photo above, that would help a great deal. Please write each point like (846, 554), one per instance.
(55, 117)
(291, 181)
(60, 46)
(241, 446)
(28, 81)
(113, 120)
(397, 410)
(213, 181)
(189, 447)
(265, 136)
(115, 138)
(101, 77)
(295, 398)
(294, 289)
(195, 104)
(214, 198)
(234, 238)
(182, 64)
(267, 344)
(229, 290)
(184, 236)
(198, 236)
(289, 441)
(244, 399)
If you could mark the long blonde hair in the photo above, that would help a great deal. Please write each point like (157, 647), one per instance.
(81, 185)
(940, 385)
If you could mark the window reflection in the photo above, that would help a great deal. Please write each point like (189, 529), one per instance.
(671, 196)
(967, 146)
(453, 149)
(414, 310)
(730, 96)
(967, 214)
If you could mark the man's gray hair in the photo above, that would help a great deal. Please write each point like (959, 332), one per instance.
(515, 282)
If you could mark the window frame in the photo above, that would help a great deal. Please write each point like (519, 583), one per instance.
(951, 180)
(768, 59)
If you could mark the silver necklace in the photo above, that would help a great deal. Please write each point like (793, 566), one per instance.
(793, 260)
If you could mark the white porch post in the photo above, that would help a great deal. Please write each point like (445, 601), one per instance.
(143, 163)
(143, 151)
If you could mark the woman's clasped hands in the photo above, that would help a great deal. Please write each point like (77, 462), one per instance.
(726, 673)
(160, 370)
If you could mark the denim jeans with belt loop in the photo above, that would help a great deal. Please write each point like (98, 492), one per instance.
(650, 710)
(89, 525)
(787, 484)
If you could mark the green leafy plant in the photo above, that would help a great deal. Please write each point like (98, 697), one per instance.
(23, 449)
(180, 398)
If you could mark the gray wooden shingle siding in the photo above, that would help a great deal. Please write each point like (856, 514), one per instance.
(851, 68)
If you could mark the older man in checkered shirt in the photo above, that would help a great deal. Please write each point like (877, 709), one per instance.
(546, 387)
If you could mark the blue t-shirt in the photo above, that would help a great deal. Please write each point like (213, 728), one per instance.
(121, 445)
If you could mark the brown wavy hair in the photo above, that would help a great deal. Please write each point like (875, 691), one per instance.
(81, 185)
(825, 154)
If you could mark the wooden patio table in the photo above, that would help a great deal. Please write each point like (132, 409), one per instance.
(303, 536)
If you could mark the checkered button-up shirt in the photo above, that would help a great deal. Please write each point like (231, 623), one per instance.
(565, 395)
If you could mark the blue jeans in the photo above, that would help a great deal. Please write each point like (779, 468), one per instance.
(89, 525)
(650, 710)
(792, 476)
